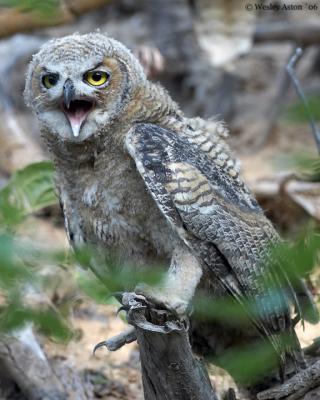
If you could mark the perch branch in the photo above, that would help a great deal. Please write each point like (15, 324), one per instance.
(169, 369)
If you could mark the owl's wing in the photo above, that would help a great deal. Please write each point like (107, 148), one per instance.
(212, 208)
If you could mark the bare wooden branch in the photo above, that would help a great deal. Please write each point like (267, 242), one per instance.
(31, 372)
(295, 387)
(26, 373)
(304, 33)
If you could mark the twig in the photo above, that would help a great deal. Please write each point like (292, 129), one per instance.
(290, 69)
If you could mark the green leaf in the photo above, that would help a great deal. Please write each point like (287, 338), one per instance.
(13, 317)
(48, 321)
(52, 324)
(249, 363)
(28, 190)
(93, 288)
(12, 268)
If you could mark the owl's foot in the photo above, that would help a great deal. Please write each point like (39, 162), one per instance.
(162, 297)
(136, 305)
(116, 342)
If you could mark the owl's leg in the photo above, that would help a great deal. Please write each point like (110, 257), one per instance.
(177, 289)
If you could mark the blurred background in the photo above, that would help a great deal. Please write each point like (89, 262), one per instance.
(217, 58)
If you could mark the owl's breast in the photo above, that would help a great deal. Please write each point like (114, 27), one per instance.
(117, 212)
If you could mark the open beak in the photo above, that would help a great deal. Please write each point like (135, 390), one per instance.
(75, 108)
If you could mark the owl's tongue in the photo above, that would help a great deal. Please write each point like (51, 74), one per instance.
(76, 121)
(77, 113)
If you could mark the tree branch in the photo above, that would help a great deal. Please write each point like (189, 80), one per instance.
(30, 372)
(295, 387)
(304, 33)
(169, 369)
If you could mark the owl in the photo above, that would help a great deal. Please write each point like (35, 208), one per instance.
(138, 178)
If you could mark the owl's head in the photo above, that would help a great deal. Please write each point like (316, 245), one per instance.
(79, 84)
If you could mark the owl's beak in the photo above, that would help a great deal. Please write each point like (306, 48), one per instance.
(76, 109)
(68, 92)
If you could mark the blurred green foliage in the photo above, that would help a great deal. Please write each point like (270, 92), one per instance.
(297, 112)
(45, 8)
(29, 190)
(305, 165)
(248, 363)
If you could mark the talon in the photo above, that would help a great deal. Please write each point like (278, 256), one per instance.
(122, 308)
(98, 346)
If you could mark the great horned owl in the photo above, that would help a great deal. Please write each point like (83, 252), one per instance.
(137, 177)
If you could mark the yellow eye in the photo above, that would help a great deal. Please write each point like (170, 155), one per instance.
(96, 78)
(50, 80)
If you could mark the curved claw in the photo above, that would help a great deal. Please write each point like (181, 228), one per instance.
(122, 308)
(98, 346)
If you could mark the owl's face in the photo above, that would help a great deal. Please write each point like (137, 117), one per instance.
(79, 84)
